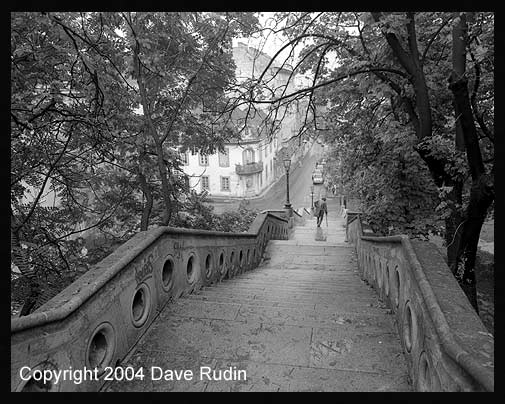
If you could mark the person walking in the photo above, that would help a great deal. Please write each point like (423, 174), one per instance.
(322, 210)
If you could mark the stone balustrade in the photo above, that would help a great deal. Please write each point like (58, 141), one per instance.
(98, 319)
(249, 168)
(446, 345)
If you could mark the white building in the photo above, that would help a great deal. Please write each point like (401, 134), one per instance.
(244, 169)
(249, 166)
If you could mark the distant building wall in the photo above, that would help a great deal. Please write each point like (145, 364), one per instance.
(262, 151)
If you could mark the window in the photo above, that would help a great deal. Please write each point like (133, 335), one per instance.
(204, 160)
(224, 158)
(184, 158)
(225, 183)
(248, 156)
(205, 183)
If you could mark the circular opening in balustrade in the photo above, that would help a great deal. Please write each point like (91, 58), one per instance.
(248, 257)
(221, 263)
(409, 327)
(424, 378)
(167, 273)
(241, 259)
(254, 255)
(141, 305)
(190, 269)
(397, 287)
(208, 266)
(37, 386)
(386, 279)
(101, 347)
(36, 383)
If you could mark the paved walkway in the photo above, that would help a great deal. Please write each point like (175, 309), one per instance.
(301, 321)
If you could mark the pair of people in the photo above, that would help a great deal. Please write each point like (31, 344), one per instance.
(321, 210)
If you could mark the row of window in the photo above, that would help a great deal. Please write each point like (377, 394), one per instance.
(225, 183)
(224, 157)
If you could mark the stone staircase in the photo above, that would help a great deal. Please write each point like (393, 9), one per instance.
(302, 321)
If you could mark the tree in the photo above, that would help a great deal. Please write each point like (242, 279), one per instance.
(482, 186)
(391, 69)
(78, 136)
(181, 72)
(59, 130)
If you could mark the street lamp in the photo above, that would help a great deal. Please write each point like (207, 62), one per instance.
(312, 196)
(287, 163)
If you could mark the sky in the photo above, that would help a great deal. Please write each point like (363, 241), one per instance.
(269, 42)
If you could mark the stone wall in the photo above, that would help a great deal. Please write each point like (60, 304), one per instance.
(99, 318)
(446, 345)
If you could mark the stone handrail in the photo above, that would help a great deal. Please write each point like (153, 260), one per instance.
(446, 345)
(97, 320)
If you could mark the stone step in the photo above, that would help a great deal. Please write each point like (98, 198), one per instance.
(311, 246)
(268, 314)
(341, 304)
(302, 320)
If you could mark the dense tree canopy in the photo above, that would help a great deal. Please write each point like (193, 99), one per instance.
(101, 104)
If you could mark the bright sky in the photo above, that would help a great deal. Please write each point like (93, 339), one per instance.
(268, 41)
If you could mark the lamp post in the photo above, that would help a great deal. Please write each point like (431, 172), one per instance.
(312, 196)
(287, 163)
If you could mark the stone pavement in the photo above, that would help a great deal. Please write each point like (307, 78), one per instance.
(302, 321)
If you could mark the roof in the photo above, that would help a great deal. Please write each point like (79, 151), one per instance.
(256, 122)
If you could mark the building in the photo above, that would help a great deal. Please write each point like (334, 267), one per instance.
(244, 169)
(250, 165)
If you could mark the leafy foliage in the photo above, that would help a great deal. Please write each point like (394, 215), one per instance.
(91, 157)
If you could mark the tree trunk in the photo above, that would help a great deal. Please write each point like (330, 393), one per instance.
(151, 129)
(463, 267)
(148, 206)
(459, 66)
(453, 223)
(482, 189)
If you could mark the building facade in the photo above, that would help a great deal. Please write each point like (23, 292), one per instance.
(248, 167)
